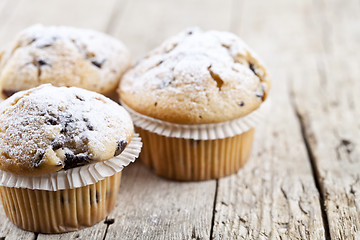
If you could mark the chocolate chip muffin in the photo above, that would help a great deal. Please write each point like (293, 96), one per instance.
(61, 136)
(63, 56)
(198, 80)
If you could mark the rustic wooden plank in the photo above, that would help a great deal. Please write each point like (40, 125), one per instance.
(151, 207)
(145, 24)
(93, 14)
(7, 229)
(5, 7)
(88, 14)
(7, 10)
(274, 196)
(326, 91)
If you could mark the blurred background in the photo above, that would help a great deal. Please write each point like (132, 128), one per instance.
(142, 24)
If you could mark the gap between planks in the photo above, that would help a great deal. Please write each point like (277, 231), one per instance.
(313, 165)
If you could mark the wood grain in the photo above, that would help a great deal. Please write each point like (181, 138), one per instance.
(274, 196)
(20, 14)
(326, 91)
(145, 24)
(150, 207)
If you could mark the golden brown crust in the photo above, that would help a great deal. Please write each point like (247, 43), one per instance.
(196, 77)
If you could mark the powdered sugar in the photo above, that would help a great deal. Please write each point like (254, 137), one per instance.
(64, 56)
(43, 128)
(188, 56)
(196, 69)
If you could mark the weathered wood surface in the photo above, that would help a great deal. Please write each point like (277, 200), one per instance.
(303, 178)
(275, 195)
(326, 91)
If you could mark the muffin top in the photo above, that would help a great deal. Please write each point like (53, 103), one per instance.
(63, 56)
(196, 77)
(46, 129)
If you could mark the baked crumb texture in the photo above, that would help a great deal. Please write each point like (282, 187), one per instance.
(63, 56)
(46, 129)
(197, 77)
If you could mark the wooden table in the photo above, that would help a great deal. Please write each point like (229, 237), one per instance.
(303, 178)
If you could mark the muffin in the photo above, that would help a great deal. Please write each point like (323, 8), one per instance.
(63, 56)
(61, 154)
(195, 101)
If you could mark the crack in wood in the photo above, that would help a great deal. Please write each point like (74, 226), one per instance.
(35, 236)
(214, 210)
(108, 221)
(314, 168)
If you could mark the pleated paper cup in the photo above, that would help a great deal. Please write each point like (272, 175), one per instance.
(68, 200)
(195, 152)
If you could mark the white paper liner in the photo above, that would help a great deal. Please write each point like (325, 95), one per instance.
(200, 131)
(75, 177)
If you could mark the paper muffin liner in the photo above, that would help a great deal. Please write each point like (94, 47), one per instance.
(78, 176)
(60, 211)
(200, 131)
(195, 160)
(196, 152)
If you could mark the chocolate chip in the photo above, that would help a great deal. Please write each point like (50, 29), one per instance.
(260, 95)
(65, 126)
(32, 40)
(98, 63)
(43, 43)
(155, 104)
(82, 158)
(42, 62)
(225, 46)
(164, 83)
(190, 32)
(260, 92)
(38, 157)
(80, 98)
(159, 63)
(72, 160)
(69, 156)
(66, 119)
(242, 103)
(58, 142)
(8, 93)
(252, 68)
(51, 121)
(89, 126)
(120, 147)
